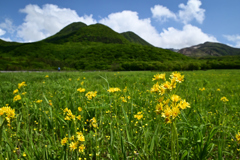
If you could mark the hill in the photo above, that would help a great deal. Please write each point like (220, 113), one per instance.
(82, 47)
(209, 49)
(132, 37)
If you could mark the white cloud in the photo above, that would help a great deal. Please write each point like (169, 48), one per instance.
(234, 38)
(187, 12)
(162, 13)
(48, 20)
(8, 25)
(2, 32)
(168, 38)
(191, 11)
(188, 36)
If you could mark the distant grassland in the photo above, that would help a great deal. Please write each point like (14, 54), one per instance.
(54, 119)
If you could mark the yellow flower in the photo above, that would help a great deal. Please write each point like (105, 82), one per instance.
(112, 90)
(167, 85)
(46, 76)
(81, 90)
(17, 98)
(159, 108)
(24, 154)
(167, 112)
(81, 148)
(175, 112)
(24, 93)
(73, 146)
(39, 101)
(224, 99)
(80, 137)
(175, 98)
(202, 89)
(183, 104)
(79, 117)
(94, 122)
(15, 91)
(159, 76)
(218, 89)
(79, 109)
(238, 137)
(21, 85)
(155, 88)
(64, 141)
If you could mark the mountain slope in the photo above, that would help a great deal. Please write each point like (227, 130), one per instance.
(70, 29)
(132, 37)
(209, 49)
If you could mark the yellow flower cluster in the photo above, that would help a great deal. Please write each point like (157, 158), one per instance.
(169, 106)
(224, 99)
(69, 115)
(112, 90)
(17, 98)
(8, 113)
(81, 90)
(167, 85)
(78, 143)
(91, 94)
(21, 85)
(139, 115)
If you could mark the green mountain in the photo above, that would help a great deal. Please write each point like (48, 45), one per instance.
(210, 49)
(132, 37)
(78, 46)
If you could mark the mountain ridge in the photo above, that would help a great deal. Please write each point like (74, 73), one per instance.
(209, 49)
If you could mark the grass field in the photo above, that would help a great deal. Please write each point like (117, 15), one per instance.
(119, 115)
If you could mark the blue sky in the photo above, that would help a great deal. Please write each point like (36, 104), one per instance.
(163, 23)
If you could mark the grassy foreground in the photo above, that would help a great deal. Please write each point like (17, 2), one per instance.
(74, 115)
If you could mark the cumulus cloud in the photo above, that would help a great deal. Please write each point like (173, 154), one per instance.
(162, 13)
(2, 32)
(167, 38)
(191, 11)
(235, 39)
(188, 36)
(187, 12)
(48, 20)
(8, 25)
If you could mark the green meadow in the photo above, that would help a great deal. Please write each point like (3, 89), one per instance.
(120, 115)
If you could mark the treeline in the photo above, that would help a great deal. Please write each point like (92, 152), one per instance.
(68, 64)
